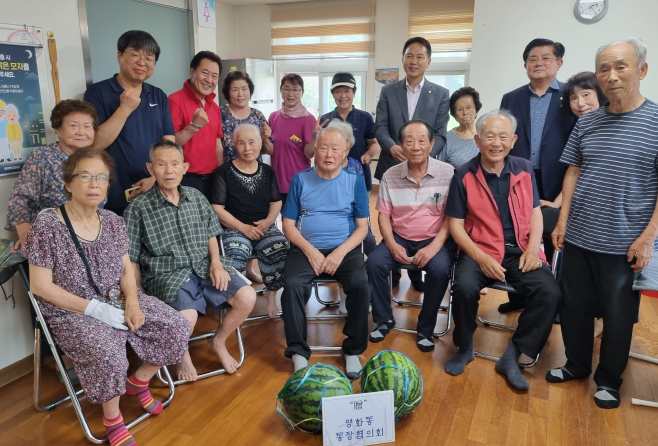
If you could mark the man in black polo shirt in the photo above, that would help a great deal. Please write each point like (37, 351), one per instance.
(132, 115)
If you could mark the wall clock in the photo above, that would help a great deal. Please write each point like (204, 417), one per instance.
(590, 11)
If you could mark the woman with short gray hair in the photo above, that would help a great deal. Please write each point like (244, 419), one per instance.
(245, 195)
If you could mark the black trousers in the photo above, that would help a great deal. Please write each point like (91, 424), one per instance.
(202, 183)
(297, 290)
(535, 322)
(437, 270)
(588, 277)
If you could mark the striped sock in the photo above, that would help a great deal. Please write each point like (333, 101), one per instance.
(141, 390)
(117, 434)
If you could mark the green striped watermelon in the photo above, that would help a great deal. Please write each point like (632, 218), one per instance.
(394, 371)
(302, 395)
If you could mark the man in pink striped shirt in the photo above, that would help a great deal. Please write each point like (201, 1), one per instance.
(415, 229)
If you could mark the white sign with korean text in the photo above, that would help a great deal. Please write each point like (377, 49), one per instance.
(360, 419)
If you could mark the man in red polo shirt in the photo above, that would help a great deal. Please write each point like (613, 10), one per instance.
(197, 121)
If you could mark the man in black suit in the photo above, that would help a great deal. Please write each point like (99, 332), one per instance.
(543, 131)
(411, 98)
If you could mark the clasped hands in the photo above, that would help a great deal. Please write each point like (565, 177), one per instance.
(322, 264)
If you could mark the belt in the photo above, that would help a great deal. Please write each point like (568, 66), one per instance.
(510, 245)
(198, 175)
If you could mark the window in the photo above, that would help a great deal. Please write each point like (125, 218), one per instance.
(451, 81)
(318, 99)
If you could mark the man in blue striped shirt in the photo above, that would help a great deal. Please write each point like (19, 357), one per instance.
(608, 223)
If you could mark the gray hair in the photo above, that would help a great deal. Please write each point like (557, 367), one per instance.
(247, 127)
(329, 130)
(165, 144)
(638, 45)
(501, 113)
(345, 127)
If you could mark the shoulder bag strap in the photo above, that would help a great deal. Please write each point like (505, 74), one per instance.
(78, 248)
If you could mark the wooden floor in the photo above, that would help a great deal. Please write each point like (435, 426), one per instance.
(475, 408)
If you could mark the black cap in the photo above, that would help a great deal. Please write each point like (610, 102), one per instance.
(343, 80)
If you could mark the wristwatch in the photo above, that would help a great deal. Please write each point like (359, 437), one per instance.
(195, 126)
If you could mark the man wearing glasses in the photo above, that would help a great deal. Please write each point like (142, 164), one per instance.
(133, 115)
(543, 131)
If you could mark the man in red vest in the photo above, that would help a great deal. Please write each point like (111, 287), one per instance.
(497, 223)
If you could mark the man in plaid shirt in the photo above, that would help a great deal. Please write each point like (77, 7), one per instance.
(175, 253)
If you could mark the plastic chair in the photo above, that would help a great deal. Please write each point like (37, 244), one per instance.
(72, 393)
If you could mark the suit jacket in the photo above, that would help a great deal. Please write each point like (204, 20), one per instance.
(557, 129)
(393, 111)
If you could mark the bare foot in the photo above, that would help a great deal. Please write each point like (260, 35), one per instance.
(251, 272)
(219, 348)
(272, 309)
(484, 291)
(185, 369)
(598, 327)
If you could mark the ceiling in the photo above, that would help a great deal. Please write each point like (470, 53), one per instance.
(257, 2)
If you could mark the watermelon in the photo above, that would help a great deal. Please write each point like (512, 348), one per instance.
(301, 397)
(394, 371)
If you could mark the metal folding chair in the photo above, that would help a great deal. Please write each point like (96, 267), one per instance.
(443, 308)
(504, 286)
(73, 394)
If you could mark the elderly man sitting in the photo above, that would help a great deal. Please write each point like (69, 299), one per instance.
(174, 251)
(326, 219)
(411, 203)
(497, 223)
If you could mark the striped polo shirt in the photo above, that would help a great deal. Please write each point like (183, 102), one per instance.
(417, 210)
(616, 191)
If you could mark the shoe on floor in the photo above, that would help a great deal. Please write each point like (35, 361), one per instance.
(424, 344)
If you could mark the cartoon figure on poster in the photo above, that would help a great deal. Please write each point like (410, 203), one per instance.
(21, 113)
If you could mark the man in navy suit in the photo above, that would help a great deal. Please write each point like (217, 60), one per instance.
(412, 98)
(543, 131)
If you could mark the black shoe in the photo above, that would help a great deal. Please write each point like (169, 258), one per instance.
(561, 375)
(380, 332)
(423, 343)
(416, 278)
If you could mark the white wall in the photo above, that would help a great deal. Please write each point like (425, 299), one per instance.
(501, 29)
(226, 32)
(254, 32)
(62, 19)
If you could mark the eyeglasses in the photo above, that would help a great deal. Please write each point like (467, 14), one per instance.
(546, 59)
(101, 178)
(136, 57)
(287, 90)
(467, 109)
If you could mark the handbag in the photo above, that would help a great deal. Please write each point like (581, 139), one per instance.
(114, 297)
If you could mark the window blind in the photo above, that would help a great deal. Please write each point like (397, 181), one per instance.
(446, 24)
(324, 31)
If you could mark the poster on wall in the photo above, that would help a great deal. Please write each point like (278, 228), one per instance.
(206, 15)
(384, 76)
(21, 113)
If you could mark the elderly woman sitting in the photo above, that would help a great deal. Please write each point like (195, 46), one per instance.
(40, 184)
(245, 195)
(84, 306)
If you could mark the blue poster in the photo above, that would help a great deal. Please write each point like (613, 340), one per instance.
(21, 114)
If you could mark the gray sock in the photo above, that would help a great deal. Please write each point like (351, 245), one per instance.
(426, 342)
(352, 366)
(508, 364)
(299, 361)
(456, 365)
